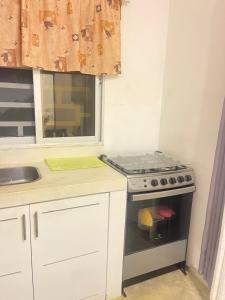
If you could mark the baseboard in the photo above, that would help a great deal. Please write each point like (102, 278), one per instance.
(199, 283)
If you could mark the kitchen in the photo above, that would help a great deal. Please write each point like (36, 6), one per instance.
(172, 68)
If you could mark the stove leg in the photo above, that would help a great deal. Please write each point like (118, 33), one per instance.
(124, 293)
(183, 268)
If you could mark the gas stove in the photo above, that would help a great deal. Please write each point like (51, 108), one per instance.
(151, 171)
(155, 182)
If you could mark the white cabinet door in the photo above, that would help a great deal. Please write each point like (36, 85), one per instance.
(15, 254)
(69, 248)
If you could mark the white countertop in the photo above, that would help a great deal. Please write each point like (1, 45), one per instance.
(55, 185)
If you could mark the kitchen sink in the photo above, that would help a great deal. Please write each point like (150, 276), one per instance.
(18, 175)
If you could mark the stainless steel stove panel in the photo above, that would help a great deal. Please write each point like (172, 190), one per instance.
(157, 182)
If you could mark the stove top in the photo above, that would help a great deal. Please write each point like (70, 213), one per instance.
(144, 164)
(151, 171)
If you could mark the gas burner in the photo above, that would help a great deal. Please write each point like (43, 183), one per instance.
(144, 164)
(151, 172)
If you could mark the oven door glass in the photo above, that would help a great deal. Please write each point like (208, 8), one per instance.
(155, 222)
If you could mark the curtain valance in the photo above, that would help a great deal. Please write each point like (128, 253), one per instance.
(61, 35)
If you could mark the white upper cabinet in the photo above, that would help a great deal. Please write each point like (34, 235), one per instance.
(69, 248)
(15, 254)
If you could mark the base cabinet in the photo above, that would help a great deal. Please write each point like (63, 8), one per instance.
(69, 249)
(15, 254)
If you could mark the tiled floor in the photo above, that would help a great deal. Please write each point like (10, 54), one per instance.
(171, 286)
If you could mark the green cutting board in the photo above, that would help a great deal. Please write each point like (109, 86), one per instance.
(73, 163)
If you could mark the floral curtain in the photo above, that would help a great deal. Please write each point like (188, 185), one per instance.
(61, 35)
(10, 34)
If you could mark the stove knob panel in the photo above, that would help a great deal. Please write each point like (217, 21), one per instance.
(172, 180)
(188, 178)
(154, 182)
(180, 179)
(163, 181)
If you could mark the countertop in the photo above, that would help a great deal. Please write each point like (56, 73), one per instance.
(55, 185)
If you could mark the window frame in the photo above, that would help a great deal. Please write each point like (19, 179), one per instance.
(97, 138)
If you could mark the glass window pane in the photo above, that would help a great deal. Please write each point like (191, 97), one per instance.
(16, 103)
(8, 132)
(16, 95)
(16, 76)
(29, 131)
(16, 114)
(158, 230)
(68, 104)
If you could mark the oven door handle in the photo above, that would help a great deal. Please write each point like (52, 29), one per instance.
(162, 194)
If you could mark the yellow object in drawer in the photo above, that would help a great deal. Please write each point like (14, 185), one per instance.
(73, 163)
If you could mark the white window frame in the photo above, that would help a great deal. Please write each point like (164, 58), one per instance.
(62, 140)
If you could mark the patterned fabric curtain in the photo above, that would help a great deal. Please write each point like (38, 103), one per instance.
(61, 35)
(10, 33)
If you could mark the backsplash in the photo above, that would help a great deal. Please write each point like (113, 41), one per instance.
(29, 154)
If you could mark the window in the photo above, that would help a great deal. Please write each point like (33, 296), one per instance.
(16, 105)
(49, 107)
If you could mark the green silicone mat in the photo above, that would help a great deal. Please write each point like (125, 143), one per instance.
(73, 163)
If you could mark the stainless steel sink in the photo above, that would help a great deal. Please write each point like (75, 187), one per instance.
(18, 175)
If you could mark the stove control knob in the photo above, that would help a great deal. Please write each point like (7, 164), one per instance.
(163, 181)
(172, 180)
(188, 178)
(180, 179)
(154, 182)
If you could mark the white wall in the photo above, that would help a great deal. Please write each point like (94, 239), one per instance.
(133, 100)
(194, 88)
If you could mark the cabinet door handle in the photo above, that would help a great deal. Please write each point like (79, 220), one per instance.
(24, 226)
(36, 224)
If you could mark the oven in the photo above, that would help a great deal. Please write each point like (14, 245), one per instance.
(157, 226)
(159, 200)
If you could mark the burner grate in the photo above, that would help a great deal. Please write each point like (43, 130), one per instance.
(144, 164)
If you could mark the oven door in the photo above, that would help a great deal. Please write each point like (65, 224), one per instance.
(157, 228)
(157, 218)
